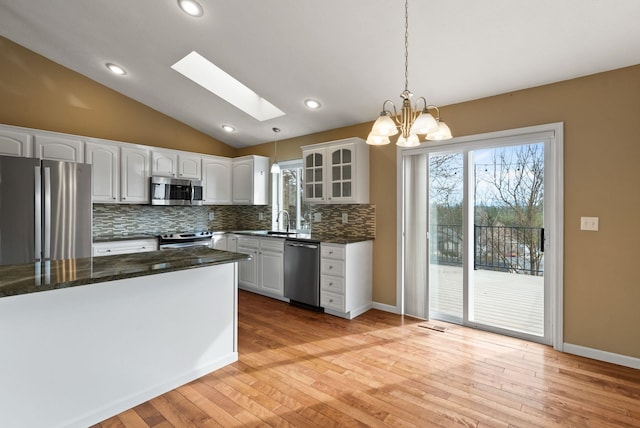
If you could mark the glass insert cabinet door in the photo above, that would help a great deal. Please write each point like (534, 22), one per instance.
(341, 173)
(314, 176)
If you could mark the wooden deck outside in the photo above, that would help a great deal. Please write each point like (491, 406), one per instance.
(505, 300)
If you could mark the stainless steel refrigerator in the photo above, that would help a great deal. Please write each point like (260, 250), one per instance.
(45, 210)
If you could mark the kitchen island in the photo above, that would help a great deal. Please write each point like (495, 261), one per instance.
(88, 338)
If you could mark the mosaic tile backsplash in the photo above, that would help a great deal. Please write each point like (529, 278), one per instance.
(121, 220)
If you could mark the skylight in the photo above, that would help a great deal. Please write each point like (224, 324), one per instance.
(208, 75)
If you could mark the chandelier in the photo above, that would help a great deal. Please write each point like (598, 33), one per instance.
(411, 122)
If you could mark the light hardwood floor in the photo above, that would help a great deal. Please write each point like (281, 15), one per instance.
(303, 369)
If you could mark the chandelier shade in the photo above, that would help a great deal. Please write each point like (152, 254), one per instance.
(377, 140)
(411, 121)
(384, 125)
(442, 133)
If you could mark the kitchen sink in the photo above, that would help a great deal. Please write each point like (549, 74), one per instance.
(281, 233)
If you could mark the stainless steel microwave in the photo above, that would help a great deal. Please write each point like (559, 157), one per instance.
(174, 191)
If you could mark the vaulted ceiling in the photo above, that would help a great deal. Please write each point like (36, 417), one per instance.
(347, 54)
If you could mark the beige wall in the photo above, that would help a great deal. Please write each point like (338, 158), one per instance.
(38, 93)
(602, 147)
(601, 114)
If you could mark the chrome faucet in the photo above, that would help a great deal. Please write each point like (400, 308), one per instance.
(288, 218)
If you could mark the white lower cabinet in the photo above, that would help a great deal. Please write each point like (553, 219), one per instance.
(248, 269)
(124, 247)
(232, 242)
(264, 273)
(219, 241)
(346, 278)
(271, 266)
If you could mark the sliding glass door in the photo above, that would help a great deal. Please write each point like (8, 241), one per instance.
(507, 277)
(446, 236)
(474, 236)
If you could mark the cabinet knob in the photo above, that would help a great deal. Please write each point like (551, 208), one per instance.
(123, 198)
(330, 267)
(330, 300)
(114, 198)
(330, 284)
(108, 251)
(330, 252)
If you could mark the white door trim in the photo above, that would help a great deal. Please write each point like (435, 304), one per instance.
(554, 197)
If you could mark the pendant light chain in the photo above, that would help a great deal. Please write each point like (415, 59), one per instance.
(406, 45)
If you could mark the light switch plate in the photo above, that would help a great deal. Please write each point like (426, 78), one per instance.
(212, 216)
(589, 223)
(260, 215)
(317, 217)
(345, 218)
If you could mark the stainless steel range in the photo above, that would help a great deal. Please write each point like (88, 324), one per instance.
(184, 239)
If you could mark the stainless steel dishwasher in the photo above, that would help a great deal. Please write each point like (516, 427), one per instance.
(302, 273)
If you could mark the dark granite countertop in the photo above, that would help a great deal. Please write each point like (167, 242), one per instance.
(311, 237)
(44, 276)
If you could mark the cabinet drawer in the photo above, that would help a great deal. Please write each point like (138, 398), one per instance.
(124, 247)
(332, 252)
(332, 301)
(275, 245)
(246, 242)
(332, 267)
(334, 284)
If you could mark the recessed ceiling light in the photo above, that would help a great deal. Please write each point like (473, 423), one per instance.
(116, 69)
(191, 7)
(211, 77)
(312, 104)
(228, 128)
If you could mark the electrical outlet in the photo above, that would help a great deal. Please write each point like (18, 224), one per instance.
(589, 223)
(212, 215)
(317, 217)
(345, 218)
(260, 215)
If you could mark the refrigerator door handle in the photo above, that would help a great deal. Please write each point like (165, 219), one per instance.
(47, 213)
(38, 214)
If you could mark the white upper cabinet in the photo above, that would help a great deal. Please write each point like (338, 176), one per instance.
(164, 162)
(15, 143)
(250, 180)
(171, 163)
(337, 172)
(314, 173)
(134, 174)
(189, 166)
(216, 180)
(59, 148)
(105, 161)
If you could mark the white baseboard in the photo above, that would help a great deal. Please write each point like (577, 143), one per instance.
(111, 409)
(386, 308)
(597, 354)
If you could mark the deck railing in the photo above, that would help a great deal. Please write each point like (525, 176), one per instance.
(500, 248)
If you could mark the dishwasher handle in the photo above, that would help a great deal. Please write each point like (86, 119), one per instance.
(302, 245)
